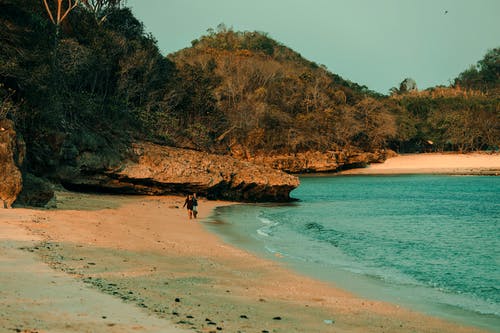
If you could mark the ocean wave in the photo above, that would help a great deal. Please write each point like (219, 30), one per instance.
(265, 220)
(263, 232)
(386, 275)
(469, 302)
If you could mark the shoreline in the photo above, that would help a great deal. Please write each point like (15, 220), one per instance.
(146, 255)
(263, 230)
(434, 163)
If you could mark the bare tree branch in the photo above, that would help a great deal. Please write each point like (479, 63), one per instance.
(60, 12)
(71, 6)
(47, 8)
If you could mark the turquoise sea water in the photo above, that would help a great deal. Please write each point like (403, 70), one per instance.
(428, 242)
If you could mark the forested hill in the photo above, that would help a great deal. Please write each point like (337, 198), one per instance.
(95, 81)
(250, 92)
(266, 99)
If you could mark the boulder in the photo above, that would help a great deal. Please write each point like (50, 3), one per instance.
(10, 175)
(156, 170)
(37, 192)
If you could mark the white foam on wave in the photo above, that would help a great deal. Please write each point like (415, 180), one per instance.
(265, 220)
(385, 274)
(267, 229)
(263, 232)
(270, 249)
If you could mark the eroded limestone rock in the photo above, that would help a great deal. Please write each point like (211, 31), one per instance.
(155, 169)
(332, 161)
(10, 176)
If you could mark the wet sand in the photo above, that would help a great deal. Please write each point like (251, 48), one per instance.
(101, 263)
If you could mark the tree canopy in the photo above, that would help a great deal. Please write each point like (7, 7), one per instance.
(484, 76)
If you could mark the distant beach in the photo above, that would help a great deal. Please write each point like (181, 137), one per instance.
(435, 163)
(137, 264)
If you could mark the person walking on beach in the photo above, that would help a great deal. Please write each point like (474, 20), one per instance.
(189, 205)
(195, 205)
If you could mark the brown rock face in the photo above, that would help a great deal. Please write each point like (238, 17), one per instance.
(331, 161)
(154, 169)
(10, 176)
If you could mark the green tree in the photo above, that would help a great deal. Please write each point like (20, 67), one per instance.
(485, 75)
(101, 8)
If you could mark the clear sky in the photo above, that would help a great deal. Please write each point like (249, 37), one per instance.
(376, 43)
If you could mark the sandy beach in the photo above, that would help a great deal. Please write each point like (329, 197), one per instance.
(102, 263)
(435, 163)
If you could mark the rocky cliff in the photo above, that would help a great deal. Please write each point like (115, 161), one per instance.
(332, 161)
(154, 169)
(10, 158)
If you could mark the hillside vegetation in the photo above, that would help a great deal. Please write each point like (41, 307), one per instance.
(265, 98)
(96, 81)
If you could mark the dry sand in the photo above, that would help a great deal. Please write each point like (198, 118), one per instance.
(436, 163)
(101, 263)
